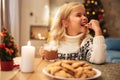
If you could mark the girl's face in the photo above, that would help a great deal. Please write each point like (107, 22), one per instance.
(76, 22)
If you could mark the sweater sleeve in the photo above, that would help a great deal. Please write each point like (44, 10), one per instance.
(98, 55)
(95, 50)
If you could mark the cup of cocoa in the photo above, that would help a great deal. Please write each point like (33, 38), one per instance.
(50, 51)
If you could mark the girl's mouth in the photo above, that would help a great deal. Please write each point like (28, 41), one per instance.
(84, 25)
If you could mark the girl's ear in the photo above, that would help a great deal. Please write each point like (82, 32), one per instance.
(65, 23)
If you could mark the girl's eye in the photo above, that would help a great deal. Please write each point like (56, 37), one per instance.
(78, 15)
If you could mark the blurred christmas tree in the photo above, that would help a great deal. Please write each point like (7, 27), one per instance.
(95, 10)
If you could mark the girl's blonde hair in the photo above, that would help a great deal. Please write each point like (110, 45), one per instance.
(58, 30)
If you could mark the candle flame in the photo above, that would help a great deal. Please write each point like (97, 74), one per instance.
(29, 43)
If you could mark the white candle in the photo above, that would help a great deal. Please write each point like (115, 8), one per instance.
(27, 58)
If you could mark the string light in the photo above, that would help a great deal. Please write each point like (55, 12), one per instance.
(88, 1)
(87, 13)
(96, 3)
(93, 13)
(92, 1)
(102, 10)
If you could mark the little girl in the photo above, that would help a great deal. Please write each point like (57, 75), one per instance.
(70, 31)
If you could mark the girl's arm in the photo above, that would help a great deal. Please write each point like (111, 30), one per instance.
(98, 54)
(97, 46)
(94, 49)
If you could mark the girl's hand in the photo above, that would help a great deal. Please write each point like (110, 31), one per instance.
(95, 26)
(41, 51)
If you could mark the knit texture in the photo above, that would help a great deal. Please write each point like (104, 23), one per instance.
(92, 49)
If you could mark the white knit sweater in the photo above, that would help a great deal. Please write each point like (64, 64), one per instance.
(91, 49)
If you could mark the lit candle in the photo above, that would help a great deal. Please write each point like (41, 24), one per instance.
(27, 58)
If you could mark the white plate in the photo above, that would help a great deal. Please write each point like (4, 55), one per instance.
(98, 74)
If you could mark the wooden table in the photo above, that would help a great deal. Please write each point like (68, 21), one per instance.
(110, 71)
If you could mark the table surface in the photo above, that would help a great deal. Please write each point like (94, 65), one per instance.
(110, 71)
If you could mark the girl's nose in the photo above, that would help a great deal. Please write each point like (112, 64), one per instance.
(85, 19)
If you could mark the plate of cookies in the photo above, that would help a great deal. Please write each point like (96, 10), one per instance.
(71, 70)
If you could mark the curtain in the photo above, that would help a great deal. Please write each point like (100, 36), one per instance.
(9, 17)
(14, 19)
(0, 19)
